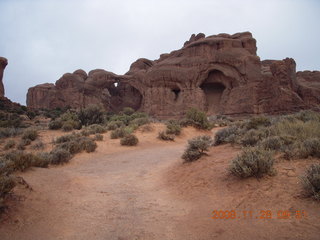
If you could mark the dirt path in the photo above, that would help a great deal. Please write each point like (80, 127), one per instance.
(146, 193)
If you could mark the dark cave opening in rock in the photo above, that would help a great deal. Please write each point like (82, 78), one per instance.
(176, 92)
(213, 92)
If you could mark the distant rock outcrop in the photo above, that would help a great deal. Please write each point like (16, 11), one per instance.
(219, 74)
(3, 64)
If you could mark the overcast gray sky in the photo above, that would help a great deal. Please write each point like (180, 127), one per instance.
(43, 39)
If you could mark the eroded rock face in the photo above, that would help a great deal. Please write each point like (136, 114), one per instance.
(3, 64)
(219, 74)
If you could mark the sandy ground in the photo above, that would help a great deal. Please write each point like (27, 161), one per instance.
(145, 192)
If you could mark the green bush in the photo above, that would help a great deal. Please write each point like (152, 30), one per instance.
(173, 127)
(93, 114)
(197, 119)
(252, 161)
(30, 134)
(312, 146)
(113, 125)
(311, 181)
(60, 156)
(226, 135)
(9, 144)
(128, 111)
(129, 140)
(252, 137)
(140, 121)
(118, 133)
(166, 137)
(196, 148)
(96, 128)
(55, 124)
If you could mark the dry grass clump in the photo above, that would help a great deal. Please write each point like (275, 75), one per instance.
(196, 148)
(98, 137)
(311, 181)
(252, 161)
(129, 140)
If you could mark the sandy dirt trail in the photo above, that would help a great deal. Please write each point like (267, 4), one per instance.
(145, 192)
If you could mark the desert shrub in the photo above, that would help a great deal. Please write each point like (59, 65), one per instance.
(30, 134)
(113, 125)
(7, 183)
(307, 115)
(98, 137)
(252, 161)
(88, 145)
(68, 126)
(93, 114)
(60, 156)
(197, 118)
(55, 124)
(127, 111)
(196, 148)
(312, 146)
(252, 137)
(10, 132)
(118, 133)
(6, 166)
(311, 181)
(66, 138)
(256, 122)
(146, 128)
(96, 128)
(219, 121)
(166, 137)
(38, 145)
(41, 160)
(272, 143)
(173, 127)
(21, 161)
(125, 119)
(129, 140)
(23, 143)
(226, 135)
(140, 121)
(10, 120)
(9, 144)
(72, 147)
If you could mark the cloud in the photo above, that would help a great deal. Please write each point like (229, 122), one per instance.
(44, 39)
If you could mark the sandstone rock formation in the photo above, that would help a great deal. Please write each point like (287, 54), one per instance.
(219, 74)
(3, 64)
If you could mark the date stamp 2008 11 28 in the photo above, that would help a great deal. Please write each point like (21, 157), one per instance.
(259, 214)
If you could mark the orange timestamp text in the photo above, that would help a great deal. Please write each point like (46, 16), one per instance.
(258, 214)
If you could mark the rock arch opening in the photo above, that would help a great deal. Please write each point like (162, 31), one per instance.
(125, 95)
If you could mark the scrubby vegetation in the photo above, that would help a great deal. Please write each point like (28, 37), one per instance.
(166, 137)
(295, 135)
(129, 140)
(197, 119)
(311, 181)
(67, 122)
(253, 161)
(30, 134)
(196, 148)
(173, 127)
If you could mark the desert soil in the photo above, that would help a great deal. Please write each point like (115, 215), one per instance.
(145, 192)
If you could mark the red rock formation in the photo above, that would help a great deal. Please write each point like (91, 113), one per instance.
(219, 74)
(3, 64)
